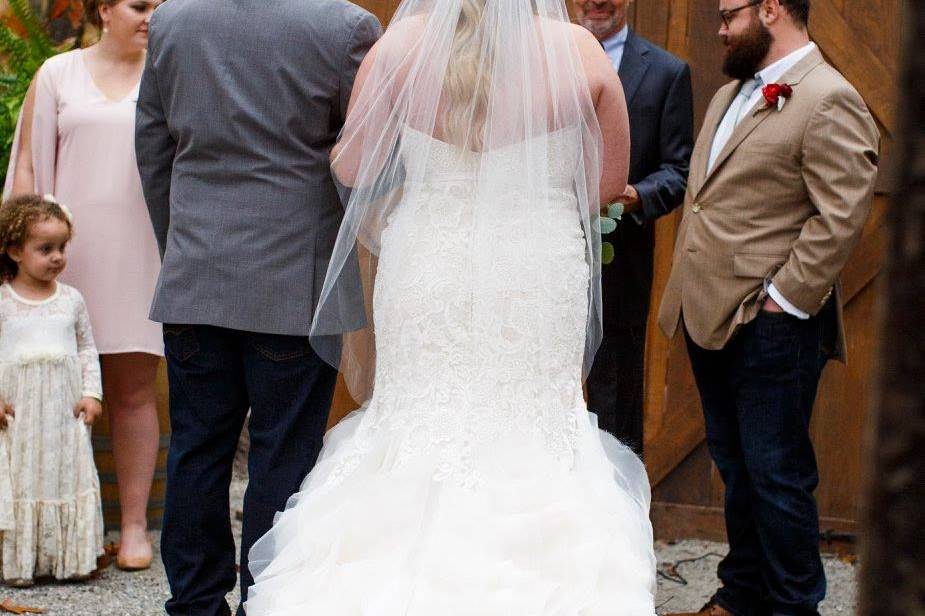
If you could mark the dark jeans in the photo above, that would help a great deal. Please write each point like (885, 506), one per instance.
(615, 384)
(758, 396)
(215, 375)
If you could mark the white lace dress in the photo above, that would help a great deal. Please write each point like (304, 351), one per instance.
(475, 482)
(51, 521)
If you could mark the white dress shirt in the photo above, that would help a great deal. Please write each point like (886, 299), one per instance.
(614, 45)
(739, 107)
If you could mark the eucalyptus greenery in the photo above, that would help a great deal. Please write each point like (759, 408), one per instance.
(21, 56)
(609, 225)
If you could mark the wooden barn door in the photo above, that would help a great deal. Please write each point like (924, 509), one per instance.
(860, 38)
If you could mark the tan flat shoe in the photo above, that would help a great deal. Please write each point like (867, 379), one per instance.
(133, 564)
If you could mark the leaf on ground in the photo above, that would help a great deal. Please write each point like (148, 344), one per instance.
(8, 607)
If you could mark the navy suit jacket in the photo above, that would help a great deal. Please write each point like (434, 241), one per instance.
(661, 115)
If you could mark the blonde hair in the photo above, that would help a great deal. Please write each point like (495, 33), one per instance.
(467, 81)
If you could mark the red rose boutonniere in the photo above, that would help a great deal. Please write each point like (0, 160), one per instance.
(776, 94)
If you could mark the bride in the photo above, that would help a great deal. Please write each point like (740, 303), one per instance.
(462, 303)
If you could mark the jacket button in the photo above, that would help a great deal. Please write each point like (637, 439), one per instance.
(696, 209)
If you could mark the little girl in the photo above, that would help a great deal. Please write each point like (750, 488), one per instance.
(51, 521)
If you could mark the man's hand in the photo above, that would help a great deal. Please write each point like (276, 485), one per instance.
(630, 200)
(89, 408)
(6, 413)
(771, 306)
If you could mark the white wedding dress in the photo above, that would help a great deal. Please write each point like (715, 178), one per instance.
(475, 482)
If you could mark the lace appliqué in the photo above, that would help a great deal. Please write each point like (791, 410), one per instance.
(480, 316)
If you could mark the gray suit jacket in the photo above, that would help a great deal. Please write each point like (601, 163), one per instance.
(240, 104)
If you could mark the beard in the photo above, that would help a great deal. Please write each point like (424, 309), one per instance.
(600, 27)
(745, 53)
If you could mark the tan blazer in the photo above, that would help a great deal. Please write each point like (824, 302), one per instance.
(786, 201)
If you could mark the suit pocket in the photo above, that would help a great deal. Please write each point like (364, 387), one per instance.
(746, 265)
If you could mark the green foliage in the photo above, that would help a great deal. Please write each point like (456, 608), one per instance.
(608, 226)
(20, 59)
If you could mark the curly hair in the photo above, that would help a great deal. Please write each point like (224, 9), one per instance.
(16, 216)
(92, 10)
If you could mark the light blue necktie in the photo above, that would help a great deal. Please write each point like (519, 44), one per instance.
(733, 116)
(748, 88)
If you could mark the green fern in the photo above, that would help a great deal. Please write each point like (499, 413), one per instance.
(36, 36)
(20, 59)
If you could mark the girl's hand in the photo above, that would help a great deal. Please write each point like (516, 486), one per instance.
(6, 413)
(90, 409)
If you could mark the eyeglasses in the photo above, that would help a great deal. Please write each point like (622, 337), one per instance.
(727, 13)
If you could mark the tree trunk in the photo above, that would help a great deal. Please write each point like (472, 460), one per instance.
(893, 554)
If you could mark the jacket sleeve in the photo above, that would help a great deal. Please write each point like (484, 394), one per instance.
(840, 157)
(663, 190)
(362, 37)
(155, 148)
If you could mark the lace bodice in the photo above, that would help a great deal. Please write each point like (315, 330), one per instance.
(480, 311)
(555, 154)
(49, 330)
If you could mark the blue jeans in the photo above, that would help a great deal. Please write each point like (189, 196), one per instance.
(215, 376)
(758, 396)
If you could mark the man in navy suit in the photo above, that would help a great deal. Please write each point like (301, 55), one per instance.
(658, 94)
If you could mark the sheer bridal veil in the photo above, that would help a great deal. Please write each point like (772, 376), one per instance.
(480, 79)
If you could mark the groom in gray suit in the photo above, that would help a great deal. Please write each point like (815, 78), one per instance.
(240, 104)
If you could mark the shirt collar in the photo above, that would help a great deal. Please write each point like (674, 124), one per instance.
(773, 72)
(617, 40)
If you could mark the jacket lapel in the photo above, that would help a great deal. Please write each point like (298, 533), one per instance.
(711, 122)
(633, 66)
(759, 114)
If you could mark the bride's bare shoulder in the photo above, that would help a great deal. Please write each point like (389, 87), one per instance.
(598, 67)
(589, 48)
(592, 53)
(402, 34)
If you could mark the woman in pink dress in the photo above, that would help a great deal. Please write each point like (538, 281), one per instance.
(76, 141)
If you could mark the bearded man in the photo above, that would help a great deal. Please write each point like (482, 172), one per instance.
(659, 99)
(781, 181)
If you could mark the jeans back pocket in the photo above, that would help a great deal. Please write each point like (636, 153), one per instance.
(180, 341)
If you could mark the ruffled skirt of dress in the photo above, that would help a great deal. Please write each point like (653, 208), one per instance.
(51, 521)
(532, 537)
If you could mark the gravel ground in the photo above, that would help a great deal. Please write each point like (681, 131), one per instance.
(116, 593)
